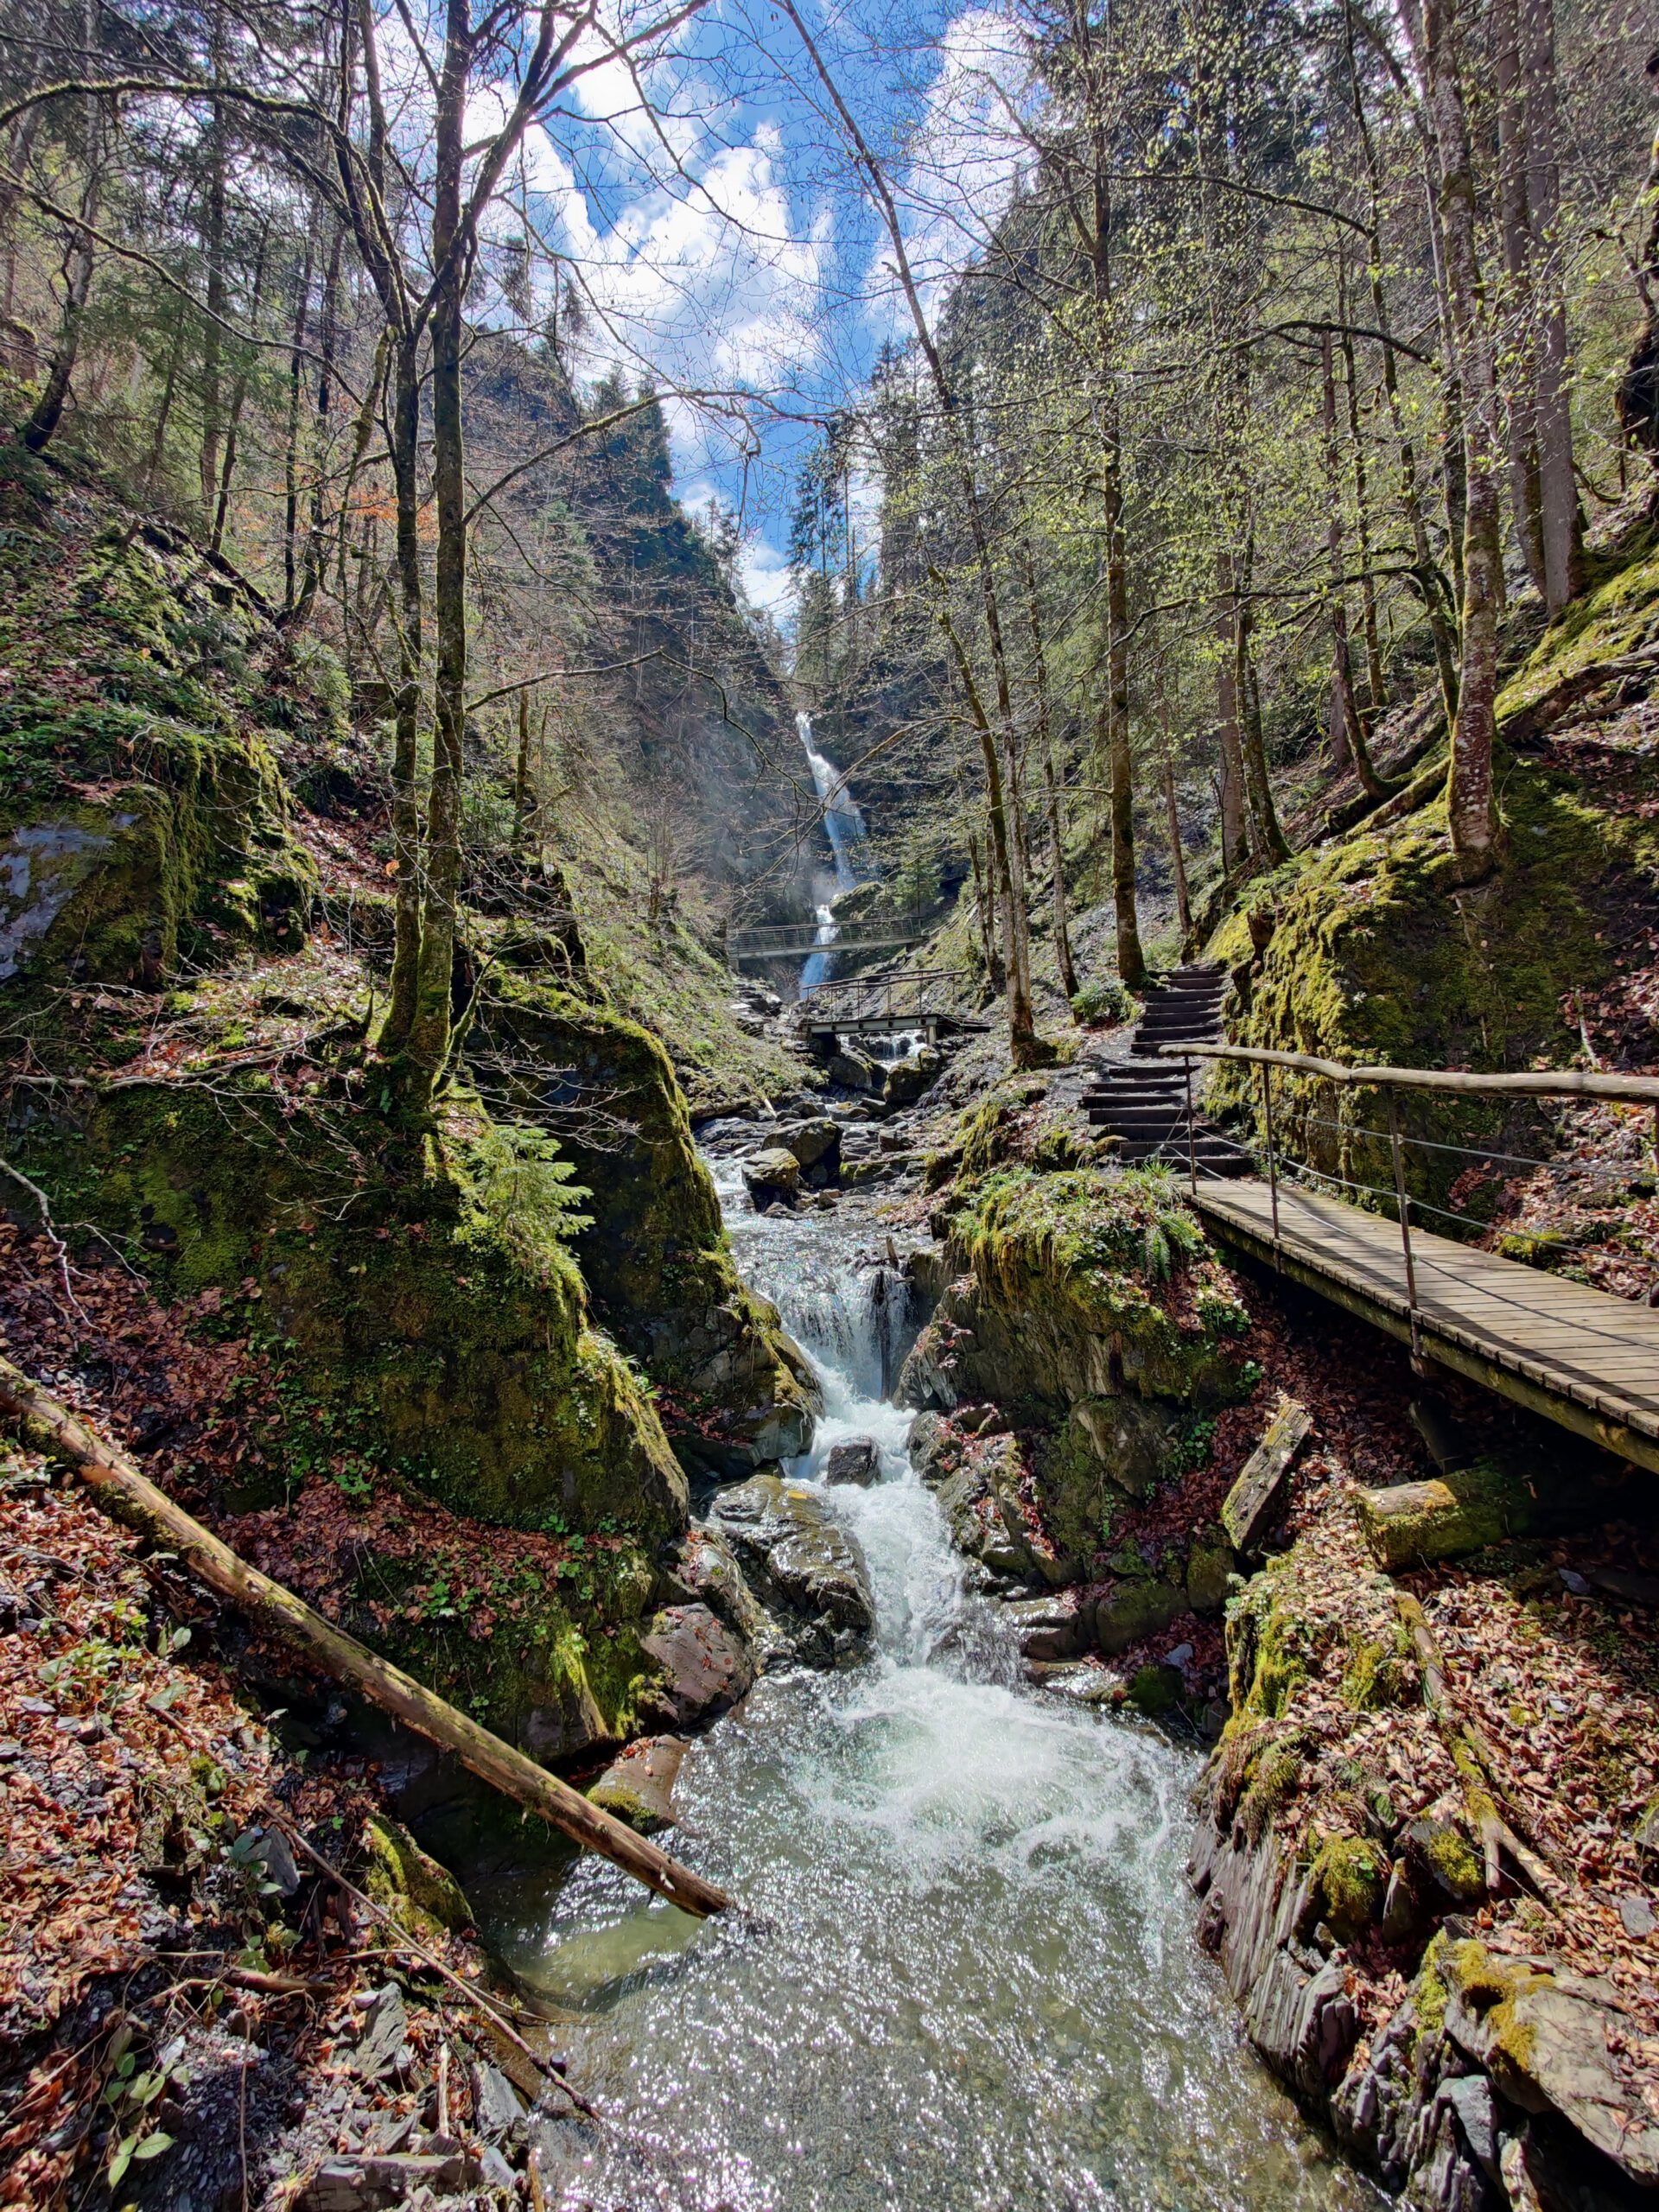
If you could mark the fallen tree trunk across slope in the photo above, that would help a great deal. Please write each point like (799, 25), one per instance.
(137, 1500)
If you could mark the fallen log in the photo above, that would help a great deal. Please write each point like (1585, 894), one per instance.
(134, 1498)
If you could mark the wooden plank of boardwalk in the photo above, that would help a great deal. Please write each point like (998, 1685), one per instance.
(1578, 1356)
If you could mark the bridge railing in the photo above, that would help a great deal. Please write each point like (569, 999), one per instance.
(903, 999)
(1560, 1084)
(790, 940)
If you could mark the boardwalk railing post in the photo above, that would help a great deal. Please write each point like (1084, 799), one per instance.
(1192, 1138)
(1404, 1204)
(1273, 1164)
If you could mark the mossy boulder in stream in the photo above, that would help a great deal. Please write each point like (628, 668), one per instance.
(1087, 1305)
(734, 1390)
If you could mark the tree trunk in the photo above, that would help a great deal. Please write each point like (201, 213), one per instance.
(1526, 498)
(1022, 1035)
(1347, 731)
(1267, 838)
(1470, 801)
(404, 445)
(213, 253)
(77, 267)
(133, 1498)
(239, 400)
(1427, 575)
(1063, 962)
(429, 1044)
(989, 953)
(291, 439)
(1227, 720)
(521, 774)
(1562, 521)
(1177, 856)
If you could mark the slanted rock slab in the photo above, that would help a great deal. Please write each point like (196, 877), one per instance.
(702, 1668)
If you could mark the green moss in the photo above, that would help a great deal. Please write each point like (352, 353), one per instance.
(1377, 1674)
(1377, 957)
(465, 1358)
(1271, 1780)
(1349, 1879)
(1269, 1645)
(422, 1896)
(1101, 1247)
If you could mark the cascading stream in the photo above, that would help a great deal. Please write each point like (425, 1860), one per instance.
(971, 1981)
(844, 824)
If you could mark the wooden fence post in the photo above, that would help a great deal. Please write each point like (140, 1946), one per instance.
(1403, 1203)
(1272, 1164)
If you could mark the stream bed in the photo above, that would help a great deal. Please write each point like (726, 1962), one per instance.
(970, 1980)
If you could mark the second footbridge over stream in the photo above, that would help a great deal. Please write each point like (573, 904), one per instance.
(1580, 1356)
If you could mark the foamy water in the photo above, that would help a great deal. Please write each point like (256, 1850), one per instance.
(970, 1980)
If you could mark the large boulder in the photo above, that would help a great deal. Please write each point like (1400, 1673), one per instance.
(638, 1787)
(734, 1390)
(702, 1669)
(706, 1571)
(858, 1461)
(773, 1176)
(806, 1569)
(985, 1492)
(817, 1145)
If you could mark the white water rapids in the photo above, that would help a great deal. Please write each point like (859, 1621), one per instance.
(970, 1982)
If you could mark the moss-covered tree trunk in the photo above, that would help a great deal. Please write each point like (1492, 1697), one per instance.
(405, 794)
(429, 1044)
(1561, 521)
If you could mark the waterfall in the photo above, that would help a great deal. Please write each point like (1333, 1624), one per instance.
(844, 826)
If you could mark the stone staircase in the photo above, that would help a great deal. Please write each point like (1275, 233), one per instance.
(1142, 1099)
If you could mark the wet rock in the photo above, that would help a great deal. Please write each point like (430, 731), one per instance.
(706, 1571)
(979, 1481)
(1542, 2031)
(808, 1572)
(816, 1143)
(638, 1786)
(702, 1668)
(1082, 1680)
(772, 1177)
(857, 1461)
(857, 1071)
(1052, 1627)
(908, 1079)
(568, 1721)
(499, 2111)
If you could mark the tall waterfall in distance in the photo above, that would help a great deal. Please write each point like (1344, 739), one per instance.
(844, 826)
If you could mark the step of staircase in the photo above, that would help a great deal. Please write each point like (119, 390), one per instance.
(1142, 1099)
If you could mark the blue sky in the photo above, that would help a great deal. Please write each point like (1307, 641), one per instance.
(725, 244)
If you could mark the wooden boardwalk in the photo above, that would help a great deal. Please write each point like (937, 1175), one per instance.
(1579, 1356)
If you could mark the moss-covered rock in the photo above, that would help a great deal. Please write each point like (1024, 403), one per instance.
(1089, 1306)
(1375, 954)
(736, 1391)
(1348, 1879)
(421, 1895)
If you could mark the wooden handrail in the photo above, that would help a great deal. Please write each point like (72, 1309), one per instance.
(1565, 1083)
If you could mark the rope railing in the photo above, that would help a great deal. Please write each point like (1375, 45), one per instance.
(1563, 1084)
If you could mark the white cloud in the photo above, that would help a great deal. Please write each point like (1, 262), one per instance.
(763, 572)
